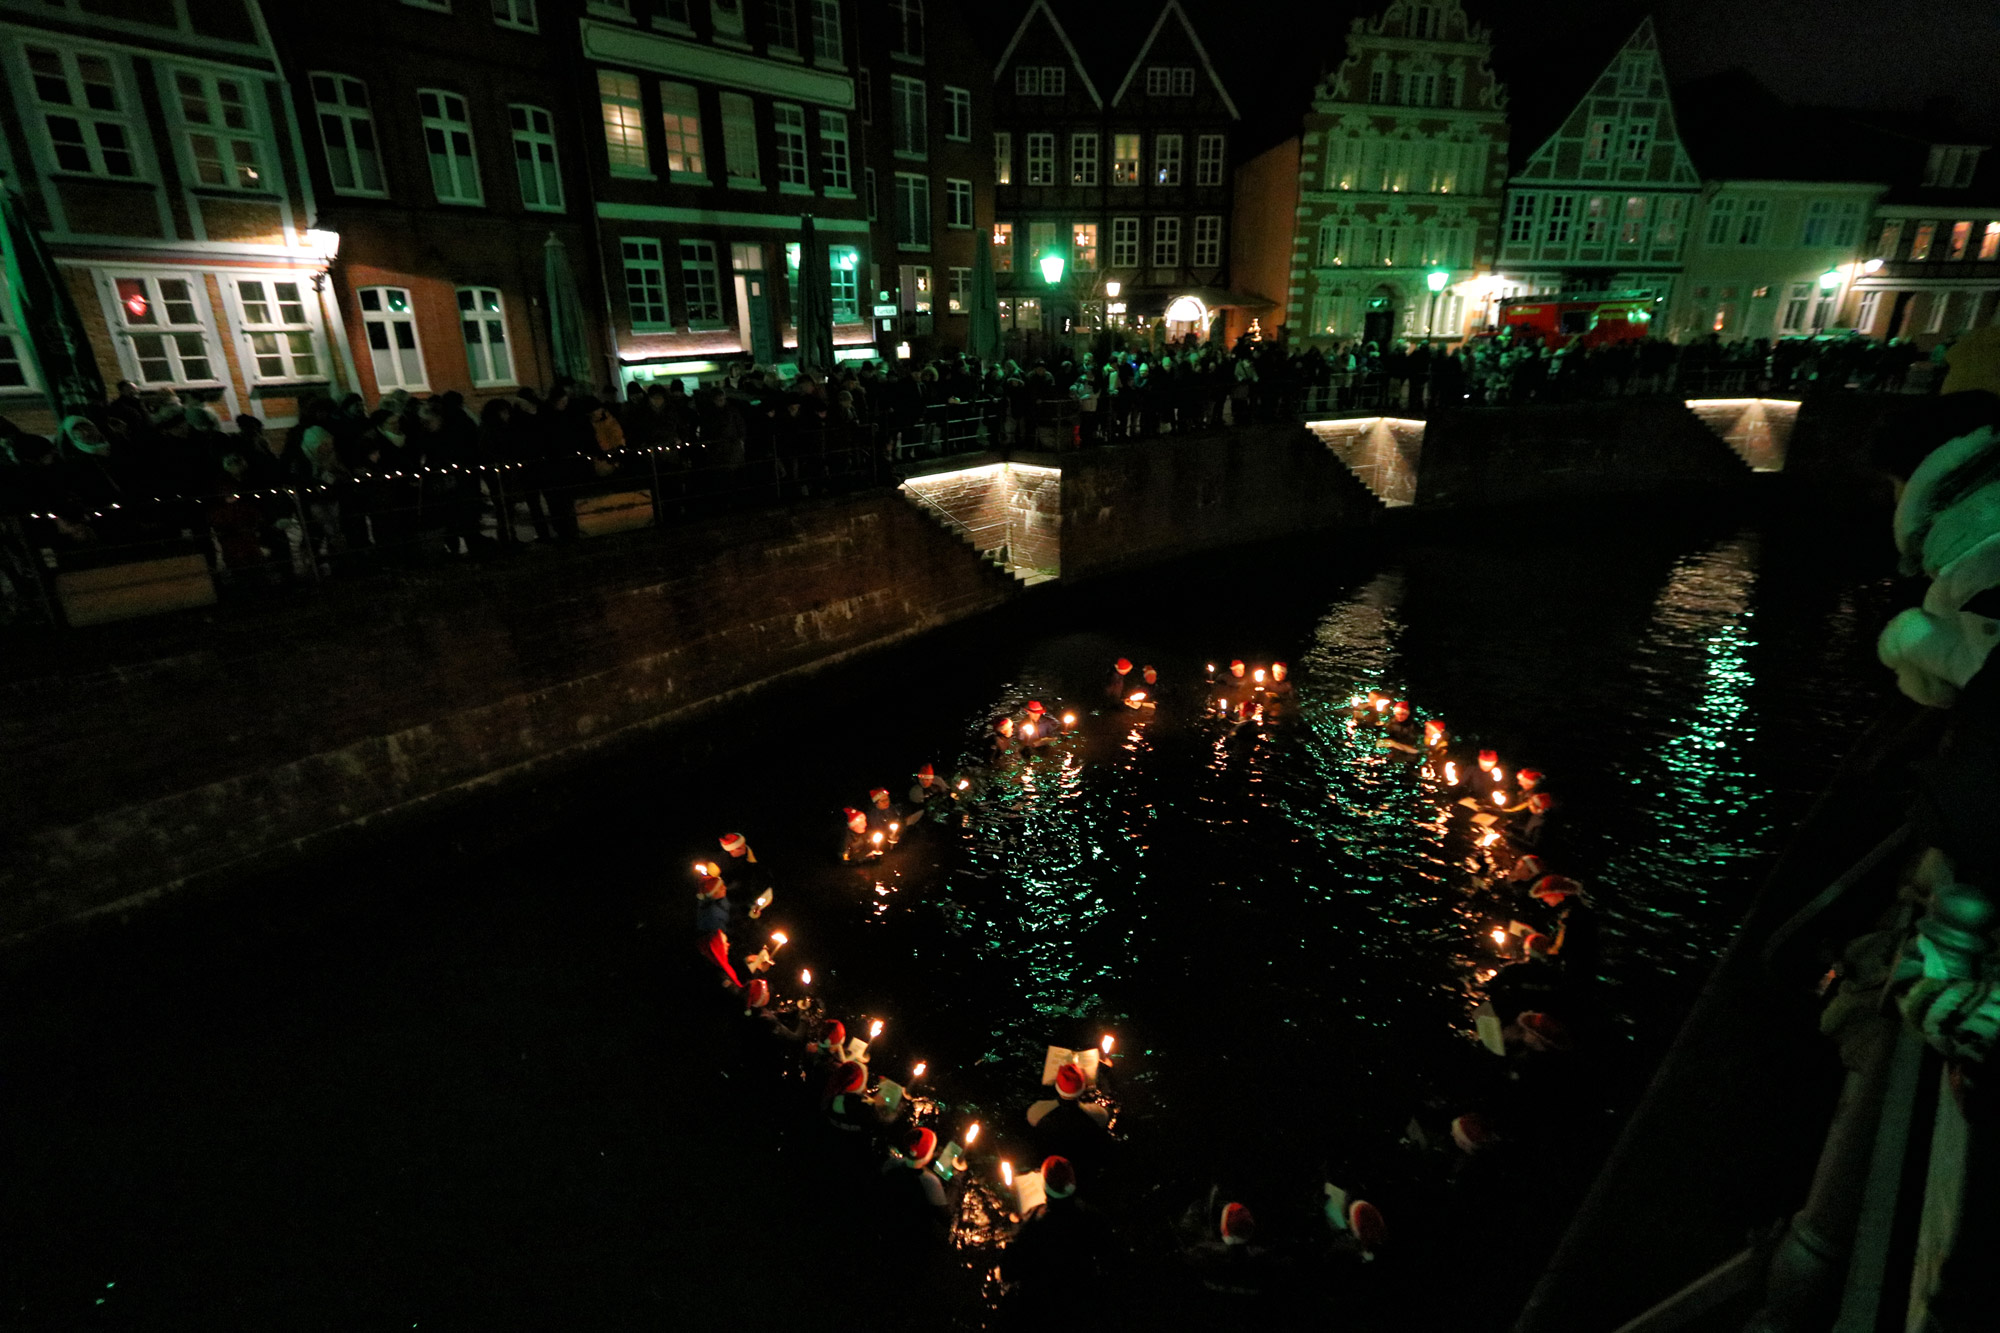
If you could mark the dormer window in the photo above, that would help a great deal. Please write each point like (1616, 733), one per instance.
(1951, 166)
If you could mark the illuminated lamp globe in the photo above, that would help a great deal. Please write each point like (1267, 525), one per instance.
(1113, 287)
(1436, 279)
(323, 244)
(1829, 280)
(1052, 269)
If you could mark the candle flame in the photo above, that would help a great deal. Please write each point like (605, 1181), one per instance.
(1258, 675)
(894, 826)
(918, 1072)
(1451, 774)
(1381, 705)
(1027, 728)
(878, 840)
(963, 783)
(1138, 696)
(972, 1134)
(1499, 798)
(1499, 773)
(1211, 666)
(1499, 935)
(1069, 719)
(805, 976)
(1007, 1174)
(875, 1029)
(1108, 1042)
(778, 936)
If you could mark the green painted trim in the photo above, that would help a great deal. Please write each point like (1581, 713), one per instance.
(708, 64)
(709, 217)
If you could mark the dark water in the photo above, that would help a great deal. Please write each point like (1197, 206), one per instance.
(462, 1085)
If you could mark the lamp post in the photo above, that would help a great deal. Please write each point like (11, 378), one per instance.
(323, 243)
(1435, 280)
(1829, 282)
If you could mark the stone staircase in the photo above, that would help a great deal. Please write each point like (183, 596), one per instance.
(1758, 429)
(1381, 452)
(987, 537)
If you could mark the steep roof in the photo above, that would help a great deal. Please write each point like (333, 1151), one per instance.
(1040, 9)
(1172, 10)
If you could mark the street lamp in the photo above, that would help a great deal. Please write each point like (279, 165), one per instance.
(1829, 281)
(1112, 287)
(323, 245)
(1435, 280)
(1052, 269)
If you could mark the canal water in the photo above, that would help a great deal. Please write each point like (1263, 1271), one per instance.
(466, 1083)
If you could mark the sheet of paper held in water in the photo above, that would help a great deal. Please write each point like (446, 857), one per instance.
(1058, 1056)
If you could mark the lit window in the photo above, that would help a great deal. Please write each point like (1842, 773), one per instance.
(833, 161)
(1041, 159)
(739, 139)
(1961, 239)
(958, 103)
(1083, 247)
(1124, 242)
(624, 123)
(1208, 160)
(1124, 159)
(347, 130)
(1003, 158)
(82, 112)
(781, 25)
(535, 158)
(1638, 140)
(645, 283)
(680, 117)
(1003, 247)
(484, 324)
(789, 122)
(843, 264)
(1167, 159)
(827, 45)
(391, 327)
(276, 327)
(1166, 242)
(1989, 242)
(907, 19)
(1207, 242)
(958, 203)
(162, 331)
(515, 14)
(222, 136)
(16, 370)
(907, 116)
(701, 284)
(1593, 220)
(1920, 241)
(1668, 211)
(448, 143)
(1083, 158)
(960, 299)
(1635, 220)
(913, 211)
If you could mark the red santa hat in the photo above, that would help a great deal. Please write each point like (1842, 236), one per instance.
(1528, 867)
(758, 994)
(732, 841)
(1536, 945)
(850, 1077)
(1541, 803)
(1402, 708)
(1543, 1033)
(1238, 1227)
(1069, 1083)
(1279, 668)
(1035, 707)
(1365, 1221)
(1434, 727)
(878, 794)
(927, 772)
(856, 820)
(920, 1147)
(1552, 889)
(711, 887)
(1236, 664)
(1472, 1133)
(1488, 758)
(836, 1033)
(1528, 777)
(1058, 1177)
(1122, 665)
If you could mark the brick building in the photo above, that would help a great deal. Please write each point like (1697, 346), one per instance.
(1401, 168)
(1603, 203)
(718, 126)
(159, 159)
(926, 110)
(1122, 171)
(445, 150)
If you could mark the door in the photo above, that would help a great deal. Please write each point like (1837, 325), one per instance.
(1378, 327)
(753, 304)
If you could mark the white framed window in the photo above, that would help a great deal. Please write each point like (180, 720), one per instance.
(17, 369)
(535, 158)
(1055, 80)
(1667, 216)
(828, 47)
(645, 282)
(347, 131)
(515, 14)
(1634, 225)
(958, 105)
(1083, 158)
(1003, 247)
(1951, 166)
(1989, 241)
(276, 329)
(1420, 89)
(864, 94)
(85, 112)
(1593, 220)
(1208, 159)
(1939, 308)
(1124, 242)
(701, 284)
(1167, 159)
(1378, 85)
(1424, 21)
(680, 121)
(163, 330)
(1597, 146)
(1638, 140)
(958, 203)
(913, 211)
(1208, 241)
(1041, 158)
(1166, 242)
(958, 299)
(833, 160)
(918, 287)
(907, 116)
(1083, 247)
(1632, 74)
(843, 263)
(906, 26)
(1159, 80)
(1124, 159)
(390, 323)
(1027, 80)
(1755, 213)
(727, 16)
(781, 27)
(1003, 157)
(441, 6)
(739, 140)
(1721, 220)
(1798, 304)
(1819, 222)
(1521, 218)
(1562, 208)
(789, 124)
(448, 144)
(1847, 222)
(1922, 238)
(624, 123)
(1865, 312)
(483, 321)
(225, 148)
(874, 200)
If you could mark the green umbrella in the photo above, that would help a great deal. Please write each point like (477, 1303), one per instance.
(982, 338)
(568, 344)
(814, 317)
(56, 339)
